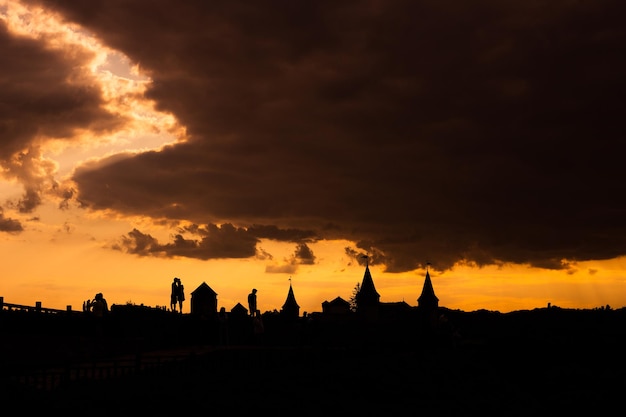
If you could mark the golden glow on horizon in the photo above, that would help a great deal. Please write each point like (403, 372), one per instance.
(85, 266)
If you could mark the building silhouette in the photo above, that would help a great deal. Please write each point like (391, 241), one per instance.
(291, 309)
(204, 301)
(368, 299)
(239, 310)
(427, 301)
(337, 306)
(394, 310)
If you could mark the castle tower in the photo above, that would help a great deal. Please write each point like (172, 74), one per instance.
(427, 301)
(290, 309)
(368, 299)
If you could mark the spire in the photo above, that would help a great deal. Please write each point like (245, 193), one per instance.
(368, 299)
(368, 290)
(428, 299)
(367, 286)
(291, 307)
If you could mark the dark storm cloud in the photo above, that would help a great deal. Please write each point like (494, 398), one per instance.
(9, 225)
(215, 242)
(44, 94)
(304, 255)
(286, 235)
(441, 131)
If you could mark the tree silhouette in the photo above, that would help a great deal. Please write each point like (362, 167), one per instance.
(355, 292)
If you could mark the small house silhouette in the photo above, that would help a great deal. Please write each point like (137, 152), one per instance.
(337, 306)
(204, 301)
(239, 311)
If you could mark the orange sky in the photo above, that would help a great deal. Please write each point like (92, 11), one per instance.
(70, 269)
(236, 149)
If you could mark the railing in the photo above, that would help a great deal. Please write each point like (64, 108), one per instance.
(37, 308)
(98, 370)
(183, 363)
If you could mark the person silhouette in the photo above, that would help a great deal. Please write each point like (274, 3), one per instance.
(252, 302)
(173, 295)
(181, 295)
(99, 306)
(178, 295)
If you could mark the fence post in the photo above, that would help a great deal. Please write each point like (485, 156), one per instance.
(38, 306)
(1, 303)
(68, 309)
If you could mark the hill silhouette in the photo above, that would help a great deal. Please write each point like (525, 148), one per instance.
(536, 361)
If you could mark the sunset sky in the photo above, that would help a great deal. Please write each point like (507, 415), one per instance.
(258, 144)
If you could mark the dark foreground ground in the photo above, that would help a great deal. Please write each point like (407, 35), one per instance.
(513, 367)
(468, 380)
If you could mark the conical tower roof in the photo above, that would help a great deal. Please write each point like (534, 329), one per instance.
(291, 300)
(428, 299)
(290, 308)
(368, 290)
(368, 299)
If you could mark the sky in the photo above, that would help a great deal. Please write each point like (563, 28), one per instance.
(268, 144)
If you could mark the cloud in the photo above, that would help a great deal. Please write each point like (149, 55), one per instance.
(215, 242)
(302, 255)
(9, 225)
(426, 131)
(283, 235)
(46, 94)
(285, 268)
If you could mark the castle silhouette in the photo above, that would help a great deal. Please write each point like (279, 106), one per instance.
(367, 302)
